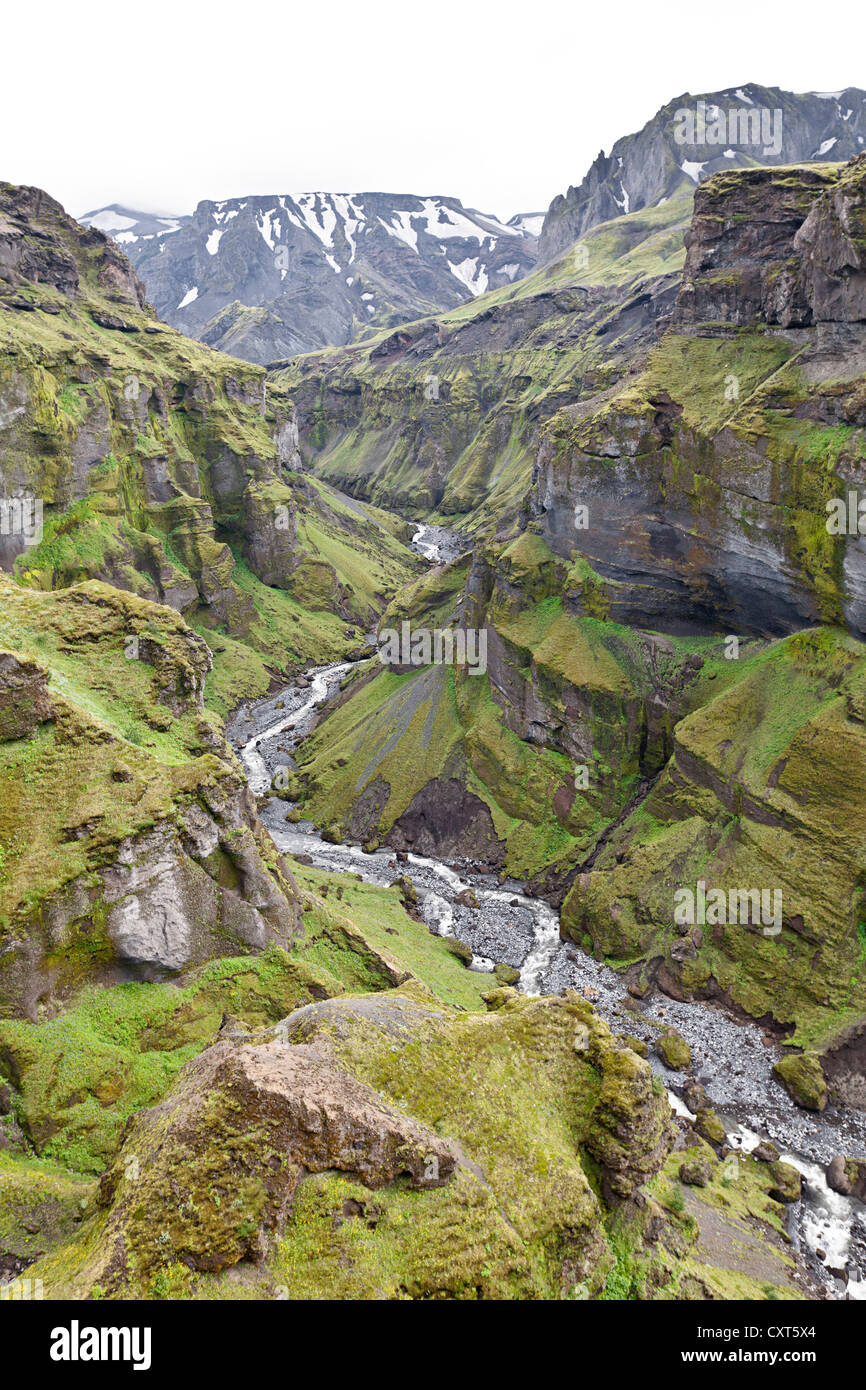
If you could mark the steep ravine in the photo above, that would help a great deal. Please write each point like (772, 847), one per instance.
(731, 1057)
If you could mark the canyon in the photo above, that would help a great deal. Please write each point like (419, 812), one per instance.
(308, 941)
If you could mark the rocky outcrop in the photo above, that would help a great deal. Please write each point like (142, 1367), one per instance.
(41, 246)
(691, 493)
(848, 1177)
(266, 1147)
(24, 699)
(215, 1166)
(131, 845)
(738, 877)
(786, 248)
(803, 1078)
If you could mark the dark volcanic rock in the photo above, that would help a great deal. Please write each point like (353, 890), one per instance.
(24, 699)
(447, 820)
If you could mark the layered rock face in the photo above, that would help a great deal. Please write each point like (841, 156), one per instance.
(782, 248)
(737, 128)
(267, 277)
(700, 493)
(40, 245)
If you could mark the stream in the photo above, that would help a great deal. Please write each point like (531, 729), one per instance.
(733, 1058)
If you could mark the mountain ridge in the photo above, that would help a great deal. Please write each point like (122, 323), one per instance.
(267, 276)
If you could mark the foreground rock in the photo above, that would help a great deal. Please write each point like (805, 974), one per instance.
(218, 1161)
(468, 1128)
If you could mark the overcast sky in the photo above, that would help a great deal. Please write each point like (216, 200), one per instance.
(503, 105)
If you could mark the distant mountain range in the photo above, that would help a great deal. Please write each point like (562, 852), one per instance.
(266, 278)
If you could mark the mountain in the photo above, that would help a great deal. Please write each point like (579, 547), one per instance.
(693, 137)
(269, 277)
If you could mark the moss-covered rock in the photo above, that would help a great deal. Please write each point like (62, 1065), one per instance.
(787, 1182)
(673, 1049)
(803, 1078)
(695, 1172)
(217, 1172)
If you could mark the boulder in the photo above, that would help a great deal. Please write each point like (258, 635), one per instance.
(803, 1078)
(212, 1170)
(847, 1176)
(673, 1049)
(24, 699)
(695, 1172)
(787, 1182)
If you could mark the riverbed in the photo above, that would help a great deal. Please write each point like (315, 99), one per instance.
(733, 1058)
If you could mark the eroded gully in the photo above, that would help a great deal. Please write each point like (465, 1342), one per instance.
(731, 1057)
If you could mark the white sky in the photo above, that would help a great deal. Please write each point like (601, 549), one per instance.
(503, 105)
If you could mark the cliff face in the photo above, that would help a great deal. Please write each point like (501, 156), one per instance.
(130, 845)
(707, 480)
(778, 247)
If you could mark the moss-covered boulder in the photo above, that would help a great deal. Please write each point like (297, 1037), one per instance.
(847, 1176)
(419, 1121)
(673, 1049)
(786, 1182)
(803, 1078)
(695, 1172)
(709, 1126)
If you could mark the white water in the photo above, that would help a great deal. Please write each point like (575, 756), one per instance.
(429, 549)
(826, 1219)
(257, 774)
(823, 1219)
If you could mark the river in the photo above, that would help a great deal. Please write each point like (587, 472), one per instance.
(731, 1057)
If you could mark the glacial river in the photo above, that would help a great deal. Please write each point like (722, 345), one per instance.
(732, 1058)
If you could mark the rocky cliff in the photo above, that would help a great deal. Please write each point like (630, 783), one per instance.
(708, 481)
(693, 137)
(130, 846)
